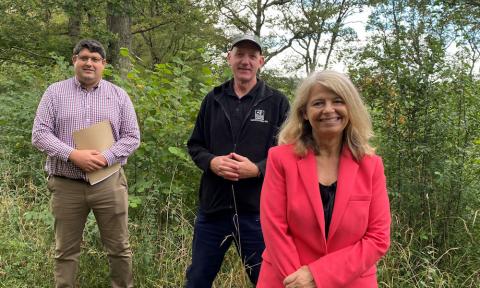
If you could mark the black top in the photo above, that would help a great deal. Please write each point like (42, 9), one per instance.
(238, 108)
(218, 132)
(328, 200)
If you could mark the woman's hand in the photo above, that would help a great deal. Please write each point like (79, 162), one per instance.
(302, 278)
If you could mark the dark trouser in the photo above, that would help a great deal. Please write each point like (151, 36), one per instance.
(72, 201)
(212, 237)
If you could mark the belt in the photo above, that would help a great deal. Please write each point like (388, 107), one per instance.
(73, 179)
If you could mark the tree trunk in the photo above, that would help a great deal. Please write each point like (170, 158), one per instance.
(74, 23)
(74, 10)
(258, 18)
(119, 24)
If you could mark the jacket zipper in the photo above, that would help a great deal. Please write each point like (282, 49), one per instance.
(255, 104)
(235, 138)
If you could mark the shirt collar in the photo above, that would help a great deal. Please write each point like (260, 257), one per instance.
(79, 85)
(252, 93)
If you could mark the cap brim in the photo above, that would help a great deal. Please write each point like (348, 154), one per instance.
(249, 41)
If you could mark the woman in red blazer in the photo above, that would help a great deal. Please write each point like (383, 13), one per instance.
(324, 207)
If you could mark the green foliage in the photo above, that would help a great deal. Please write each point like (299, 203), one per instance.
(160, 30)
(424, 108)
(423, 101)
(163, 180)
(167, 100)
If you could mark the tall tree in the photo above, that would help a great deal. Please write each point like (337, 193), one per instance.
(465, 15)
(75, 12)
(162, 29)
(119, 24)
(28, 40)
(256, 17)
(425, 129)
(321, 27)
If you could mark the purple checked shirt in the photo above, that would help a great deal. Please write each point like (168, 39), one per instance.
(66, 107)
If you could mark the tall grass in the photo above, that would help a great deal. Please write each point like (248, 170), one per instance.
(161, 242)
(408, 264)
(160, 238)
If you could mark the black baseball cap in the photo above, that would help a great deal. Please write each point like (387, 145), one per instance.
(254, 39)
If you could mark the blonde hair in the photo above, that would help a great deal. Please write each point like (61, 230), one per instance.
(298, 131)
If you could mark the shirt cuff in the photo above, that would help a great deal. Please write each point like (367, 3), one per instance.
(109, 156)
(64, 153)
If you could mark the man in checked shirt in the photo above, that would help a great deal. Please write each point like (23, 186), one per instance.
(74, 104)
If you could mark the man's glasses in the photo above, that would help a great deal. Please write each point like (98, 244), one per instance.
(85, 59)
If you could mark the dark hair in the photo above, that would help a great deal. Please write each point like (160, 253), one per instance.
(91, 45)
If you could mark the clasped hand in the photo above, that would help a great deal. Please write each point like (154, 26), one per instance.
(233, 167)
(88, 160)
(302, 278)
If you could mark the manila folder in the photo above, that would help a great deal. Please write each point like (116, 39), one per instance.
(96, 137)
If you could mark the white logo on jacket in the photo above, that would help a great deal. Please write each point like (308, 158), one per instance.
(259, 116)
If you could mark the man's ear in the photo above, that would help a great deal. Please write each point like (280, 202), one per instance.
(262, 61)
(229, 56)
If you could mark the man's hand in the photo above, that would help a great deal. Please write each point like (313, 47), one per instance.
(246, 168)
(302, 278)
(225, 167)
(88, 160)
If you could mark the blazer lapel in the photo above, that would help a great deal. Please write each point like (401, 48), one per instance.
(307, 168)
(347, 172)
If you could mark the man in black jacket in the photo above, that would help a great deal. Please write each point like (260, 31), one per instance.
(237, 123)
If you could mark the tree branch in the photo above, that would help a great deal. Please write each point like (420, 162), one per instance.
(149, 28)
(283, 48)
(10, 59)
(276, 2)
(32, 53)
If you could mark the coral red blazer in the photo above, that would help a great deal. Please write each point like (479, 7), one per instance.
(293, 225)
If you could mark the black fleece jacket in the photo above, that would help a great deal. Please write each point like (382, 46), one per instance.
(212, 136)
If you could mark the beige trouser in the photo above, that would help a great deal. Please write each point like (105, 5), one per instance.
(72, 200)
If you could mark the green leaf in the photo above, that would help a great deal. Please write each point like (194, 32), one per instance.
(206, 71)
(178, 152)
(124, 52)
(134, 201)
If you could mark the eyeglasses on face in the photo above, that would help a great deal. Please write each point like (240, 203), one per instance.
(85, 59)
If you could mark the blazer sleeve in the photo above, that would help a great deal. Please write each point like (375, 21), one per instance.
(340, 267)
(273, 217)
